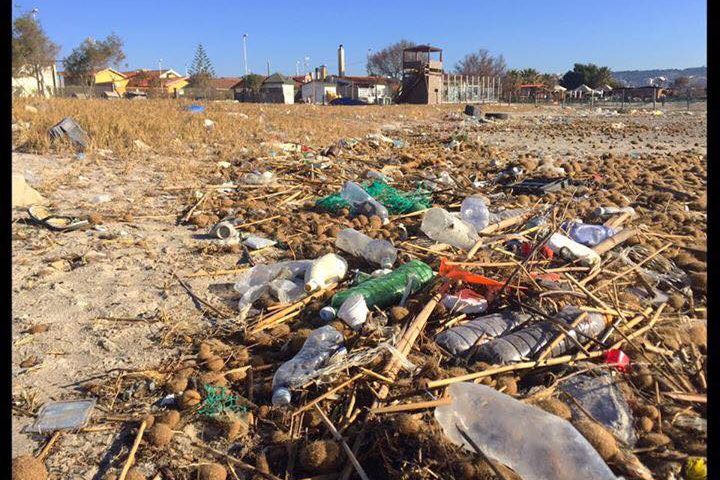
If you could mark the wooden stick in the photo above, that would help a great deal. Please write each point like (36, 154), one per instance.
(687, 397)
(43, 453)
(615, 240)
(190, 212)
(326, 394)
(406, 407)
(633, 268)
(131, 456)
(346, 447)
(549, 347)
(278, 316)
(256, 222)
(503, 224)
(616, 220)
(375, 375)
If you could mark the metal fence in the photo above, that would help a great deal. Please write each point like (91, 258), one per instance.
(470, 89)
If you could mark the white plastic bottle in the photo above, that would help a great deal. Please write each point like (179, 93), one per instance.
(358, 244)
(441, 226)
(325, 270)
(534, 443)
(321, 344)
(475, 212)
(560, 243)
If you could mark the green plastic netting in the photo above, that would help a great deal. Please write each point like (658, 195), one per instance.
(394, 200)
(218, 400)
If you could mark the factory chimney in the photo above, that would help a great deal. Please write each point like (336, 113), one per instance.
(323, 72)
(341, 61)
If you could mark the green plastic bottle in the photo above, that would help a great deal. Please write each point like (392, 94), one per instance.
(386, 290)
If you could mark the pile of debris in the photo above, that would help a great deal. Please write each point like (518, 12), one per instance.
(407, 308)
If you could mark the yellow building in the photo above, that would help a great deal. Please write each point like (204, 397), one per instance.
(111, 80)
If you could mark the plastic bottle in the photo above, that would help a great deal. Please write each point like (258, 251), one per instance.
(441, 226)
(505, 214)
(475, 212)
(383, 291)
(358, 244)
(528, 342)
(587, 234)
(325, 270)
(562, 245)
(321, 344)
(607, 211)
(458, 340)
(362, 202)
(534, 443)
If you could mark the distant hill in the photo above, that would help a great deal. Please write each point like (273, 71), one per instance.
(636, 78)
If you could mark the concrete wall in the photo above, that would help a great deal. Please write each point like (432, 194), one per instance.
(27, 85)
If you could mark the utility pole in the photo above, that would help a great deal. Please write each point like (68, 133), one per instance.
(297, 68)
(367, 61)
(245, 52)
(268, 67)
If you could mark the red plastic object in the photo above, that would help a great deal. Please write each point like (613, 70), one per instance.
(456, 273)
(618, 359)
(526, 248)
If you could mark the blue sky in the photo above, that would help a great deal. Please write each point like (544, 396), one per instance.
(549, 36)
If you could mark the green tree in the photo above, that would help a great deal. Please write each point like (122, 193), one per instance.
(32, 50)
(93, 55)
(253, 81)
(388, 61)
(529, 75)
(588, 74)
(481, 63)
(201, 70)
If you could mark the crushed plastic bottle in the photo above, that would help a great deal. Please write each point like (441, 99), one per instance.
(321, 344)
(441, 226)
(497, 217)
(464, 301)
(384, 291)
(458, 340)
(475, 212)
(571, 250)
(534, 443)
(363, 203)
(358, 244)
(587, 234)
(257, 178)
(256, 282)
(528, 342)
(325, 270)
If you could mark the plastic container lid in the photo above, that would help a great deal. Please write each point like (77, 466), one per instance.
(327, 313)
(281, 396)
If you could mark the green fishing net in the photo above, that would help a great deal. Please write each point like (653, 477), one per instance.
(394, 200)
(218, 400)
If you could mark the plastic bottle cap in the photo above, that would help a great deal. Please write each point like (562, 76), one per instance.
(311, 286)
(281, 396)
(327, 313)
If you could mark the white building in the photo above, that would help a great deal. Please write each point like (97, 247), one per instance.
(366, 89)
(318, 91)
(278, 88)
(27, 84)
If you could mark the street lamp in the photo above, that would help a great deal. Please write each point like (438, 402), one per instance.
(34, 12)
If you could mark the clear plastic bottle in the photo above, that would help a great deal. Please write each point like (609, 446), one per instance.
(383, 291)
(475, 212)
(534, 443)
(358, 244)
(362, 202)
(562, 245)
(441, 226)
(587, 234)
(458, 340)
(528, 342)
(325, 270)
(505, 214)
(320, 345)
